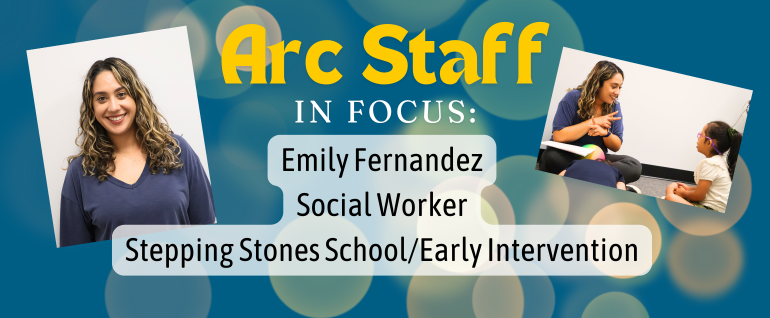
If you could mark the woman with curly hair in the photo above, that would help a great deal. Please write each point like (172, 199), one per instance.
(590, 114)
(131, 168)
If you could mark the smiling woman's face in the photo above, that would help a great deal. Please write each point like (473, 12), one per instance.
(113, 107)
(610, 89)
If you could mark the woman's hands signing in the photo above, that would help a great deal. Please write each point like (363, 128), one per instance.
(600, 125)
(596, 130)
(606, 120)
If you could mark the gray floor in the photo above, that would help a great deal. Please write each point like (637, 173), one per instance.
(653, 186)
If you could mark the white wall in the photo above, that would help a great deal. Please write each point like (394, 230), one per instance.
(162, 59)
(662, 111)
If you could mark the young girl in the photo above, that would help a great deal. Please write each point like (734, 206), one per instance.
(714, 174)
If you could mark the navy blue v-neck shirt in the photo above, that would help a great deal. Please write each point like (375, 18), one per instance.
(92, 209)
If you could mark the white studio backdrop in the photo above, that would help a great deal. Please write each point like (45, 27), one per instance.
(662, 111)
(162, 60)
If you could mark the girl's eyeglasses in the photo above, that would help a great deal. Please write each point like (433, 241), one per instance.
(712, 142)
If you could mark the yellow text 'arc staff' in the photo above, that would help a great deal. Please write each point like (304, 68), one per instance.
(418, 46)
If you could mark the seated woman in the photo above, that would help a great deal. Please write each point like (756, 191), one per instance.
(131, 168)
(587, 115)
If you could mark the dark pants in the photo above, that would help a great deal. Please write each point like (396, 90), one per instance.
(556, 160)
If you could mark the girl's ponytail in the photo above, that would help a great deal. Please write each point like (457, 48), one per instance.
(727, 138)
(735, 146)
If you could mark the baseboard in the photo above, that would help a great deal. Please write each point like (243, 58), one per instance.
(668, 173)
(658, 172)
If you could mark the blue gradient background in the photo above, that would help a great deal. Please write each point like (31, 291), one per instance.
(721, 41)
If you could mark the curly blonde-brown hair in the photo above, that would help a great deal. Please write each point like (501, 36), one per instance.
(601, 72)
(152, 130)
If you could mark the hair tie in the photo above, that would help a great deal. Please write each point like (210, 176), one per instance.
(731, 132)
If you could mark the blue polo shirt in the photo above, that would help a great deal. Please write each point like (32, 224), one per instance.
(566, 115)
(91, 209)
(595, 172)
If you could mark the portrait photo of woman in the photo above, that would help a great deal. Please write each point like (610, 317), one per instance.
(131, 168)
(118, 99)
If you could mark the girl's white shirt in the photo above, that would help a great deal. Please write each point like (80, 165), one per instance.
(715, 170)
